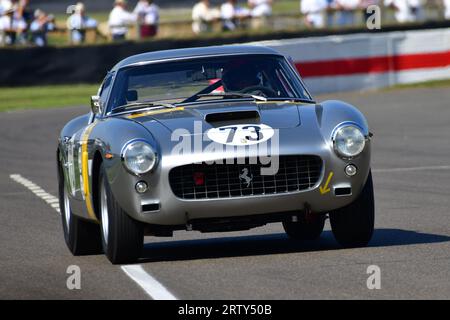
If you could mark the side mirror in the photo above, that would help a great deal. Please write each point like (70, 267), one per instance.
(95, 104)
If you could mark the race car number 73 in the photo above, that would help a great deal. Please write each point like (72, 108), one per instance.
(237, 135)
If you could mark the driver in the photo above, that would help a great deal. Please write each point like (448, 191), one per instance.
(241, 77)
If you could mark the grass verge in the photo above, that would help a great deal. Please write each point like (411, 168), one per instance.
(45, 96)
(426, 84)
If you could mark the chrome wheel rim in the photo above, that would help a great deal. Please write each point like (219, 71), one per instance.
(104, 213)
(67, 213)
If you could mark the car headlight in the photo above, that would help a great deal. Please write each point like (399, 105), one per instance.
(139, 157)
(349, 141)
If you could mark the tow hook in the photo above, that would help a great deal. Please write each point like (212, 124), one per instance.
(310, 217)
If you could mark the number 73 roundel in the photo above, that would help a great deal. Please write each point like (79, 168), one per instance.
(241, 135)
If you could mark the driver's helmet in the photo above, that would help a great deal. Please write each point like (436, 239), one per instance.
(240, 76)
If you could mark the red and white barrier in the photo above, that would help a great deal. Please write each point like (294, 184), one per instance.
(368, 61)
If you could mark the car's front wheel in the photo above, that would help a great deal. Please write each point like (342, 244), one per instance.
(122, 236)
(82, 237)
(353, 225)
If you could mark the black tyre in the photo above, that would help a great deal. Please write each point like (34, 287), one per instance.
(82, 237)
(306, 228)
(353, 225)
(122, 236)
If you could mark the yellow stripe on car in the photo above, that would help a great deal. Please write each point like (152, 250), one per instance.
(279, 102)
(153, 112)
(85, 170)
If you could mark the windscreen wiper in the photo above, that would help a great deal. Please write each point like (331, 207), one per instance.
(136, 105)
(233, 95)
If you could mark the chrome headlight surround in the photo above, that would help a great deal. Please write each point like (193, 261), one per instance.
(139, 157)
(349, 140)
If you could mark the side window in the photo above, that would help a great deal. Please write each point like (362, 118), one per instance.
(106, 87)
(299, 86)
(281, 77)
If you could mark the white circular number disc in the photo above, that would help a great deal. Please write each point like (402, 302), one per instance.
(241, 134)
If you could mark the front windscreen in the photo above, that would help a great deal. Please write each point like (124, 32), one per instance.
(269, 76)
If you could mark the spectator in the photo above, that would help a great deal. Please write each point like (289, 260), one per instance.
(19, 23)
(260, 8)
(347, 10)
(260, 11)
(366, 4)
(416, 10)
(26, 12)
(228, 15)
(12, 23)
(7, 33)
(330, 13)
(141, 8)
(203, 16)
(78, 23)
(5, 5)
(120, 20)
(447, 9)
(147, 14)
(402, 9)
(40, 26)
(232, 15)
(314, 11)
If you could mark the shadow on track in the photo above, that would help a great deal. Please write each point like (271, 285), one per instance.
(271, 244)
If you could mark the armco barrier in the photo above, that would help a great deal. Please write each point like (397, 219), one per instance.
(328, 63)
(362, 61)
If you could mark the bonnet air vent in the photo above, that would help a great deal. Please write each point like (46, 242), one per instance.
(233, 116)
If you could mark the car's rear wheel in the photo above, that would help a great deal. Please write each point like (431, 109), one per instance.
(82, 237)
(122, 236)
(308, 227)
(353, 225)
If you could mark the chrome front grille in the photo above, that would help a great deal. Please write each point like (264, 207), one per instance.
(213, 181)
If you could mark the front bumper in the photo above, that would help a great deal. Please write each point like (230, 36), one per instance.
(171, 211)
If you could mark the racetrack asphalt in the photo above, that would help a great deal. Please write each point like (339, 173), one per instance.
(411, 245)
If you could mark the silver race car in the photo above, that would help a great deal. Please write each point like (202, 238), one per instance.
(211, 139)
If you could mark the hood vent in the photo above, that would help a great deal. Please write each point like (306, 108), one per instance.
(233, 116)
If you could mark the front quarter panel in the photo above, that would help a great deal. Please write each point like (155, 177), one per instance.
(109, 136)
(333, 113)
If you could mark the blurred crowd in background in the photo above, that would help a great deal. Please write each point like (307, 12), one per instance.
(230, 14)
(325, 13)
(19, 24)
(22, 25)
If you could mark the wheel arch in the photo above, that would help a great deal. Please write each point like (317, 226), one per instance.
(59, 169)
(336, 112)
(58, 162)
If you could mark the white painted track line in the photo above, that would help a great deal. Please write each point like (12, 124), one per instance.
(135, 272)
(152, 287)
(37, 190)
(430, 168)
